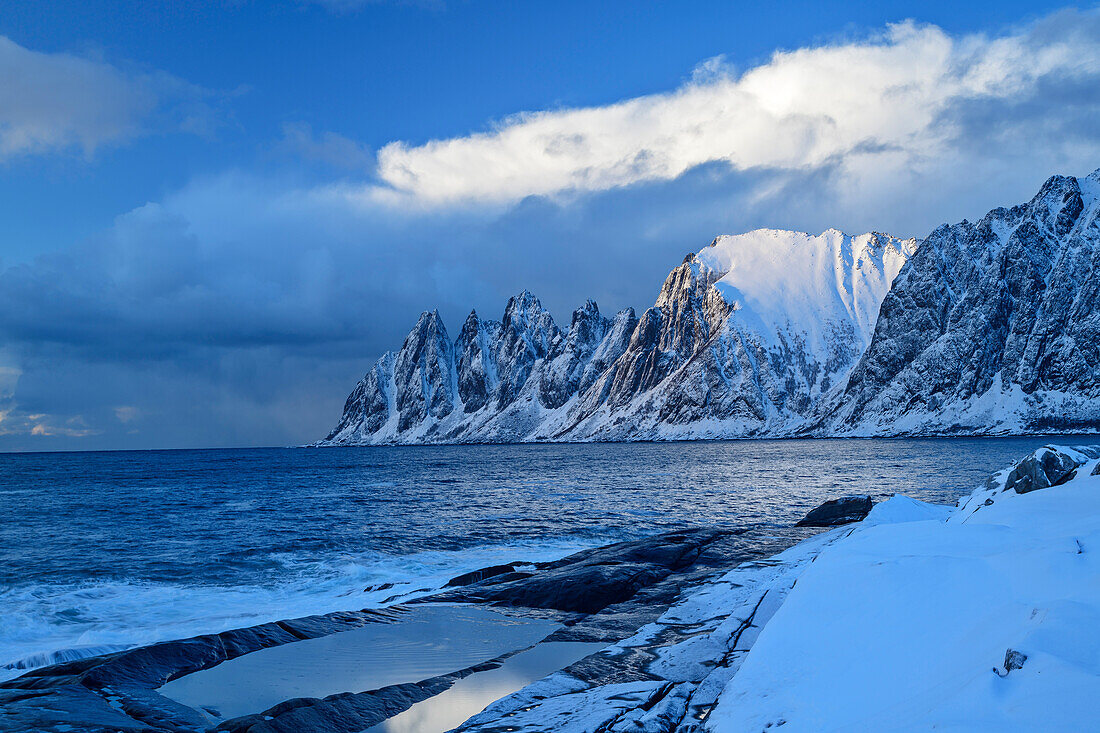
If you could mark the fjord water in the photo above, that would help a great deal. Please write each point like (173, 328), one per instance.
(99, 551)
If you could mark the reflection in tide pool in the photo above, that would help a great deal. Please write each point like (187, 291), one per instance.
(427, 641)
(470, 695)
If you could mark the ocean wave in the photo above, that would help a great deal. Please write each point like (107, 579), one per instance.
(48, 623)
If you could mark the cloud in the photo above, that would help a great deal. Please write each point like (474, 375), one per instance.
(126, 413)
(329, 148)
(14, 421)
(51, 102)
(893, 102)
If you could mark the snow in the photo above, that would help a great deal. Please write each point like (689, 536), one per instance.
(903, 622)
(902, 626)
(783, 280)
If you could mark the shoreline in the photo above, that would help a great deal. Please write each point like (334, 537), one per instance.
(630, 583)
(703, 629)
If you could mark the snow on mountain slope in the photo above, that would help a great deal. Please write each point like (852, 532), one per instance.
(795, 281)
(745, 337)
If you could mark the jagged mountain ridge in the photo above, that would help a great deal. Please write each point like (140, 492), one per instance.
(724, 351)
(983, 328)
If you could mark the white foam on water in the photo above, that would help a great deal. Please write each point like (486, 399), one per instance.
(48, 623)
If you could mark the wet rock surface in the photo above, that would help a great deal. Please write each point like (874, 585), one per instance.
(589, 581)
(836, 512)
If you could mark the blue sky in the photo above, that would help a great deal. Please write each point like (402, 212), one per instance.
(214, 216)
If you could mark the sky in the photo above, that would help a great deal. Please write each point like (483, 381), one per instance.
(214, 217)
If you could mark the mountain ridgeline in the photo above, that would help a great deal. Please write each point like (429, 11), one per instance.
(981, 328)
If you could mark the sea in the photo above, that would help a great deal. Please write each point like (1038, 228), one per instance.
(104, 551)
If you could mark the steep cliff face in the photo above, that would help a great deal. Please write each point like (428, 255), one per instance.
(992, 326)
(746, 337)
(569, 358)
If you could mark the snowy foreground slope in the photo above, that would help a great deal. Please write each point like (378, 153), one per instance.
(982, 328)
(980, 617)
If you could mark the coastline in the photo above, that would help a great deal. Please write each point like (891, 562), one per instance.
(701, 629)
(630, 584)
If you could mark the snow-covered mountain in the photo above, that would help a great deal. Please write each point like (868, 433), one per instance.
(983, 328)
(745, 337)
(992, 327)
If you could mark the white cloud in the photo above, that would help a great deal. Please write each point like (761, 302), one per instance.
(126, 413)
(896, 102)
(58, 101)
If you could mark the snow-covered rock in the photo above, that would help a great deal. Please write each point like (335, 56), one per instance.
(909, 627)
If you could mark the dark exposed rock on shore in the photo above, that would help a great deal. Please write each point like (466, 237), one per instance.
(836, 512)
(476, 576)
(589, 581)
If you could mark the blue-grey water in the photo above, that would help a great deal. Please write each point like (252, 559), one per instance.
(99, 551)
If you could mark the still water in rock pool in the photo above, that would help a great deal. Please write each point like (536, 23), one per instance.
(101, 551)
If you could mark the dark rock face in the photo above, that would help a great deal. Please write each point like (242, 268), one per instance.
(368, 406)
(477, 374)
(569, 356)
(687, 312)
(493, 384)
(422, 372)
(526, 334)
(589, 581)
(1007, 308)
(1045, 468)
(476, 576)
(836, 512)
(1013, 660)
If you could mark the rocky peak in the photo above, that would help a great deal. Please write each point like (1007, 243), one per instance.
(422, 372)
(526, 334)
(1001, 309)
(476, 367)
(691, 310)
(569, 356)
(987, 326)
